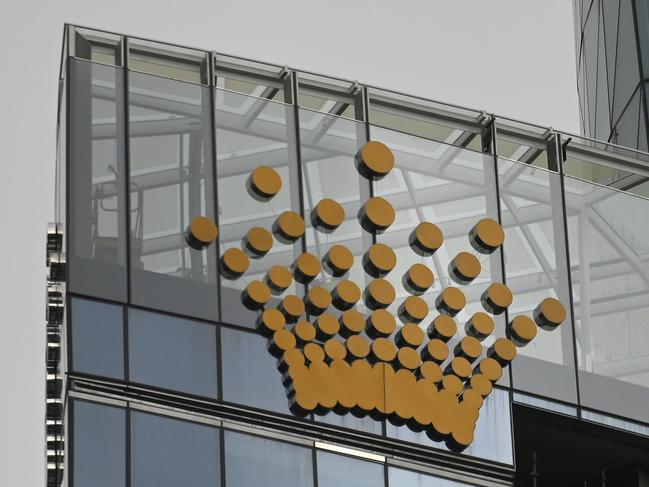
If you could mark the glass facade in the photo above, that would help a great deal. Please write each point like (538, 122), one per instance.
(158, 135)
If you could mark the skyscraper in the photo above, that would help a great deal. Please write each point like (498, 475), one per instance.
(263, 275)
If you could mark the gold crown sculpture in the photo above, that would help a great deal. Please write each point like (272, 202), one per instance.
(356, 363)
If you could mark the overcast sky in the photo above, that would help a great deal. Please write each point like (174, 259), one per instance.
(514, 58)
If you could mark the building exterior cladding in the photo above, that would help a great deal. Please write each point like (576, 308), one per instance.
(613, 61)
(161, 376)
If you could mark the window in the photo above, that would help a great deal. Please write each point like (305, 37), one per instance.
(255, 461)
(167, 452)
(335, 470)
(173, 353)
(97, 338)
(99, 445)
(407, 478)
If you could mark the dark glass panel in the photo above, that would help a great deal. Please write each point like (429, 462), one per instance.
(626, 130)
(626, 69)
(590, 57)
(336, 470)
(97, 189)
(602, 121)
(407, 478)
(250, 374)
(172, 353)
(171, 182)
(168, 452)
(610, 11)
(99, 445)
(97, 338)
(252, 461)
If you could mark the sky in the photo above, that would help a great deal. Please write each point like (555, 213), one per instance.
(510, 57)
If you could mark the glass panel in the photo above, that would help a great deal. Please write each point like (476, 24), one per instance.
(171, 182)
(610, 11)
(97, 338)
(589, 47)
(544, 404)
(97, 190)
(251, 132)
(407, 478)
(453, 188)
(602, 119)
(328, 147)
(173, 353)
(536, 268)
(493, 434)
(252, 460)
(609, 254)
(626, 130)
(99, 445)
(168, 452)
(250, 374)
(626, 70)
(367, 424)
(336, 470)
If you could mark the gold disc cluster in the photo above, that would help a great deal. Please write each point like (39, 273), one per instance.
(339, 359)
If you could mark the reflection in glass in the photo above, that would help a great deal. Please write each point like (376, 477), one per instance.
(250, 374)
(97, 190)
(398, 477)
(173, 353)
(97, 338)
(171, 182)
(493, 434)
(536, 268)
(99, 445)
(251, 460)
(252, 132)
(609, 251)
(448, 186)
(336, 470)
(167, 452)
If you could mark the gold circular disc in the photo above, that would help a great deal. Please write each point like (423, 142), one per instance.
(380, 323)
(503, 351)
(383, 350)
(258, 241)
(426, 238)
(464, 268)
(410, 335)
(327, 215)
(497, 298)
(549, 314)
(327, 326)
(358, 346)
(306, 267)
(379, 260)
(304, 331)
(377, 214)
(203, 230)
(431, 371)
(379, 294)
(351, 323)
(435, 350)
(443, 327)
(318, 299)
(469, 348)
(481, 384)
(480, 325)
(450, 301)
(270, 321)
(408, 358)
(314, 352)
(338, 260)
(486, 236)
(256, 294)
(521, 330)
(234, 263)
(460, 367)
(418, 279)
(288, 227)
(284, 340)
(334, 349)
(346, 294)
(265, 182)
(278, 279)
(452, 384)
(413, 309)
(375, 160)
(490, 368)
(292, 307)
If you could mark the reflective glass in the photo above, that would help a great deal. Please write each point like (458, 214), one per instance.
(609, 254)
(626, 130)
(589, 47)
(493, 434)
(407, 478)
(99, 445)
(367, 424)
(168, 452)
(336, 470)
(250, 374)
(536, 268)
(97, 338)
(252, 460)
(171, 182)
(627, 74)
(252, 132)
(97, 190)
(453, 188)
(602, 119)
(610, 11)
(172, 353)
(328, 145)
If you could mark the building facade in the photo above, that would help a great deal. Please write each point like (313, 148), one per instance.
(157, 371)
(613, 59)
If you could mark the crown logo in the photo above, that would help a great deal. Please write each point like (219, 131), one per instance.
(346, 361)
